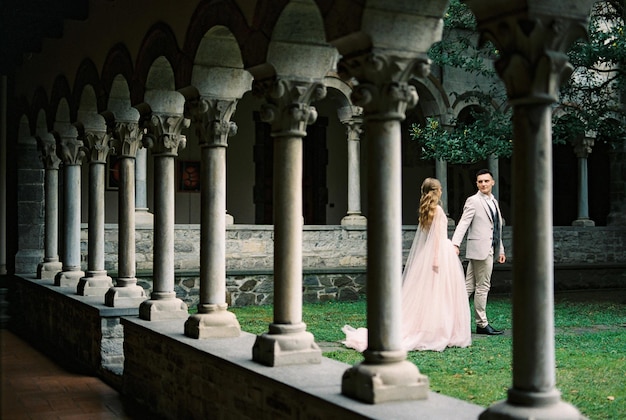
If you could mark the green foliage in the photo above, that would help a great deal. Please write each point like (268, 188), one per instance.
(592, 98)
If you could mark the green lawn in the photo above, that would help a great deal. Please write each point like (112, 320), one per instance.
(590, 352)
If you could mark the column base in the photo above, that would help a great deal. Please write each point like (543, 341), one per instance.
(143, 217)
(286, 345)
(559, 410)
(126, 296)
(161, 309)
(68, 278)
(354, 220)
(584, 222)
(212, 321)
(95, 283)
(49, 270)
(378, 383)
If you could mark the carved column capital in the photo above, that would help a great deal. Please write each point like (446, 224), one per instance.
(383, 91)
(211, 117)
(48, 148)
(352, 118)
(582, 146)
(287, 107)
(69, 148)
(532, 43)
(97, 145)
(126, 138)
(164, 134)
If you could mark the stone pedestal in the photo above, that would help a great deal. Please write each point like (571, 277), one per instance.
(286, 345)
(374, 383)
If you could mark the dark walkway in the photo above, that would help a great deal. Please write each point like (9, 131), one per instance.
(34, 387)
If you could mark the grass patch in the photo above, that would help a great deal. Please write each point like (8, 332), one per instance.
(590, 343)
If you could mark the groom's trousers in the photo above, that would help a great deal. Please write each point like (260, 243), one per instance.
(478, 281)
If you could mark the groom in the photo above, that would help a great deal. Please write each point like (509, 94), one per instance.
(482, 221)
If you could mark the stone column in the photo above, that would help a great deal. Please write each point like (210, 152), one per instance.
(351, 117)
(71, 151)
(441, 173)
(384, 94)
(288, 110)
(51, 265)
(142, 215)
(532, 39)
(494, 166)
(3, 175)
(212, 121)
(582, 149)
(96, 281)
(164, 139)
(126, 143)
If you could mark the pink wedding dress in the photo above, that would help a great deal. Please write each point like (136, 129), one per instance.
(435, 307)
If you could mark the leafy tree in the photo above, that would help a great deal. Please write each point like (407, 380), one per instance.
(592, 99)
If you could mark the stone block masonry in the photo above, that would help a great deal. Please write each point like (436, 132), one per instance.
(335, 259)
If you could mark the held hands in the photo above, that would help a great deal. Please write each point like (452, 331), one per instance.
(502, 258)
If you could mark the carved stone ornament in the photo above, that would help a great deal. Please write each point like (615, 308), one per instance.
(48, 149)
(70, 148)
(532, 46)
(287, 106)
(164, 134)
(126, 138)
(383, 91)
(97, 145)
(211, 119)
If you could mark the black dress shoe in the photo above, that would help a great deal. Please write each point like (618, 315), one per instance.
(488, 330)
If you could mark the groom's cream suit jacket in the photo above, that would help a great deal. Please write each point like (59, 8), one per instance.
(477, 222)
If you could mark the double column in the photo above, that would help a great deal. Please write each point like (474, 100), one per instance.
(288, 111)
(126, 143)
(51, 265)
(384, 94)
(71, 151)
(582, 149)
(164, 138)
(96, 282)
(352, 118)
(212, 122)
(532, 40)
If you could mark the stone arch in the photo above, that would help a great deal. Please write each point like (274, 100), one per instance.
(471, 99)
(218, 66)
(119, 102)
(159, 43)
(208, 16)
(39, 104)
(87, 75)
(343, 89)
(25, 132)
(61, 94)
(117, 62)
(299, 32)
(88, 115)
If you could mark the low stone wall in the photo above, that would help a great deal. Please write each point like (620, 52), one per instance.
(79, 331)
(183, 378)
(335, 258)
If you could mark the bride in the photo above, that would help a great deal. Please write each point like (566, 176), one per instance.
(435, 307)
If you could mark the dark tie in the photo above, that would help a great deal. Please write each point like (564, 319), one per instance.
(496, 228)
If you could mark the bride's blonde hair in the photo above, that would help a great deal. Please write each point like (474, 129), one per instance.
(431, 193)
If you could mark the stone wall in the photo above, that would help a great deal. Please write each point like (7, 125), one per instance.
(184, 378)
(76, 330)
(334, 261)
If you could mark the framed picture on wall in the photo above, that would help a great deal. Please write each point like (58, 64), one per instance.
(189, 176)
(113, 173)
